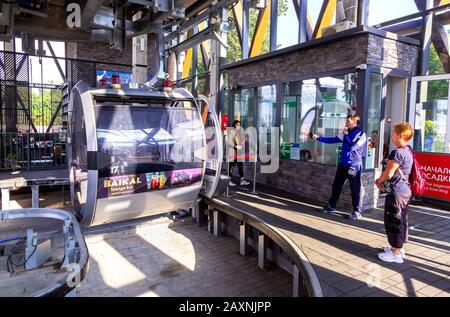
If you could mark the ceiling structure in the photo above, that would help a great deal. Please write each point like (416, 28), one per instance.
(96, 20)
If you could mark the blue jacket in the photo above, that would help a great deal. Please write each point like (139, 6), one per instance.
(353, 145)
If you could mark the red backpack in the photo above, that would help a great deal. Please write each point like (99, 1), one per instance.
(417, 180)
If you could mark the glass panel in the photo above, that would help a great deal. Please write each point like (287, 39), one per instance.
(373, 121)
(287, 27)
(244, 107)
(325, 103)
(336, 98)
(432, 133)
(308, 119)
(267, 104)
(267, 98)
(136, 140)
(289, 112)
(385, 10)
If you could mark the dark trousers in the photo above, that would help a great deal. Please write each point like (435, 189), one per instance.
(240, 167)
(396, 218)
(355, 186)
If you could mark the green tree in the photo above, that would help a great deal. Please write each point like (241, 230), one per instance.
(43, 105)
(234, 52)
(437, 89)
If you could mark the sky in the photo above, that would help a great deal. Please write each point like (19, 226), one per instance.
(379, 11)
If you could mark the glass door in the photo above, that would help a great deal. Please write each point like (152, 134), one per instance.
(429, 110)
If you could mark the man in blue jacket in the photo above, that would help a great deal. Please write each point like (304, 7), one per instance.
(353, 142)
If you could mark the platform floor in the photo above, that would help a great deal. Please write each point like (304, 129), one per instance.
(344, 253)
(162, 257)
(166, 258)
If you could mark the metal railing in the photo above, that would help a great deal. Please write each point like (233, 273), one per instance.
(32, 151)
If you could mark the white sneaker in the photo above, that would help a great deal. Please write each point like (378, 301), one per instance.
(232, 184)
(402, 251)
(244, 183)
(390, 257)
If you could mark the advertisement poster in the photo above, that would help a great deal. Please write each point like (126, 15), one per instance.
(186, 177)
(436, 168)
(157, 181)
(124, 78)
(121, 185)
(132, 184)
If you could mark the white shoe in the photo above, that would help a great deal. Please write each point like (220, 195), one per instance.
(390, 257)
(402, 251)
(244, 183)
(232, 184)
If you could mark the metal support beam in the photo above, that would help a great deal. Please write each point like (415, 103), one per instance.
(191, 23)
(260, 31)
(139, 56)
(296, 282)
(195, 66)
(55, 115)
(238, 19)
(89, 11)
(243, 239)
(5, 199)
(216, 225)
(52, 52)
(210, 221)
(22, 61)
(262, 251)
(273, 25)
(35, 196)
(218, 58)
(427, 27)
(363, 12)
(245, 26)
(302, 15)
(209, 33)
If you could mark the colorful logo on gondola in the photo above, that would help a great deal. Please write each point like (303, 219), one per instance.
(156, 181)
(120, 185)
(121, 182)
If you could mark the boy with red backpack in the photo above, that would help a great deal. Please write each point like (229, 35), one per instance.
(396, 181)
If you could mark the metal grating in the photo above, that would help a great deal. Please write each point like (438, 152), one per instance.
(81, 70)
(14, 92)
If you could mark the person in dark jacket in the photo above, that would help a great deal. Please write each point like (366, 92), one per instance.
(353, 141)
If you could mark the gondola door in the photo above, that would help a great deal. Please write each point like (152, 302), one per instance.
(213, 179)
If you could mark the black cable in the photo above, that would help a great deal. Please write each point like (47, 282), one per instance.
(10, 263)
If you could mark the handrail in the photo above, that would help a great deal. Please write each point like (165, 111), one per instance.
(314, 288)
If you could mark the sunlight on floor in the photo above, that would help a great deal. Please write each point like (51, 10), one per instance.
(170, 243)
(114, 268)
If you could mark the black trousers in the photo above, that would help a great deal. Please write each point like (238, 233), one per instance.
(396, 218)
(355, 186)
(240, 167)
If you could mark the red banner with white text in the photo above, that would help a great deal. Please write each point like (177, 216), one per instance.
(437, 173)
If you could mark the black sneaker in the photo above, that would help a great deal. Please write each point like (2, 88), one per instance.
(327, 209)
(354, 216)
